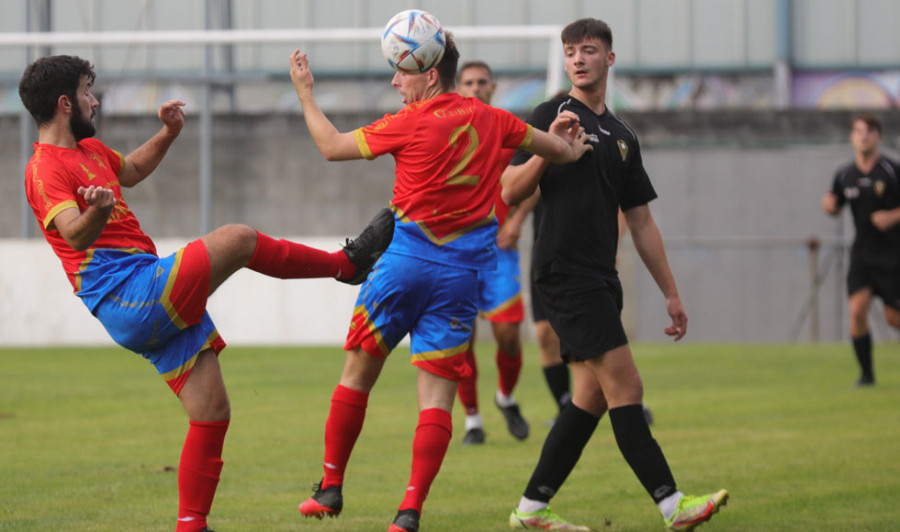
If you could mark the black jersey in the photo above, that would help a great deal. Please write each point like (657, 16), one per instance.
(867, 193)
(578, 230)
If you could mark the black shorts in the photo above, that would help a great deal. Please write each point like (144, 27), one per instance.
(883, 278)
(585, 313)
(537, 309)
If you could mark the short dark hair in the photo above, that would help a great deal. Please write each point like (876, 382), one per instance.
(48, 78)
(447, 66)
(872, 121)
(476, 64)
(587, 28)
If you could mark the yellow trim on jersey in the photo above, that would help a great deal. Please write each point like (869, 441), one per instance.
(452, 236)
(363, 144)
(443, 353)
(529, 135)
(121, 162)
(167, 292)
(368, 324)
(68, 204)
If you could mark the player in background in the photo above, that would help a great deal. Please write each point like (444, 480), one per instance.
(577, 283)
(154, 306)
(500, 297)
(446, 150)
(870, 185)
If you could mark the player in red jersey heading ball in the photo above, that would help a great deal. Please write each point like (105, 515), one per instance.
(426, 284)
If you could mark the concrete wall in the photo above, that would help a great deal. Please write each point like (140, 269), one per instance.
(37, 306)
(739, 197)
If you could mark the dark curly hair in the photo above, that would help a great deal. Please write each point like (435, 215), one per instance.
(48, 78)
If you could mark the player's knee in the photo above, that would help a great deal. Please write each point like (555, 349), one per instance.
(546, 336)
(217, 407)
(222, 409)
(858, 319)
(243, 234)
(242, 238)
(508, 339)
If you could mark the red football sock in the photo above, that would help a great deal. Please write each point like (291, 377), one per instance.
(508, 370)
(467, 389)
(429, 447)
(344, 423)
(290, 260)
(198, 473)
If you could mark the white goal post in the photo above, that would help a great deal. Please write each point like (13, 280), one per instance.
(275, 36)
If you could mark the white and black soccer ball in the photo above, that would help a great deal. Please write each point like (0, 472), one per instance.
(413, 41)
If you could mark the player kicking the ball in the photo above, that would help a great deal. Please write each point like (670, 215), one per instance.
(155, 306)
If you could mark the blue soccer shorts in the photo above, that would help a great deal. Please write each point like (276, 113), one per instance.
(158, 310)
(434, 303)
(500, 290)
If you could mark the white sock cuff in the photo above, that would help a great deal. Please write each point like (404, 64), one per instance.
(504, 400)
(668, 505)
(526, 505)
(474, 422)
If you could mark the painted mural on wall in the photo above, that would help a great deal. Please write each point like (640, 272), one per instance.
(842, 90)
(656, 93)
(710, 91)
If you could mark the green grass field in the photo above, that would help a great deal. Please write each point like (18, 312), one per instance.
(89, 439)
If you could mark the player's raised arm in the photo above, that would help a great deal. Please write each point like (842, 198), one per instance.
(519, 182)
(333, 144)
(565, 142)
(143, 161)
(81, 228)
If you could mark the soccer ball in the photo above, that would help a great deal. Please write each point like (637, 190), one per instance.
(413, 41)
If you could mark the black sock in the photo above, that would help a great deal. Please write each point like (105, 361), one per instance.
(862, 346)
(557, 377)
(641, 451)
(562, 449)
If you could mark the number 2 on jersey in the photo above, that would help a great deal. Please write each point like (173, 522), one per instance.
(456, 176)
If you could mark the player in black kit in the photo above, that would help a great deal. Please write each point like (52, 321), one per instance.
(577, 283)
(869, 184)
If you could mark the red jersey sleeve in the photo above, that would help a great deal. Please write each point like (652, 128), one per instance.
(387, 134)
(518, 133)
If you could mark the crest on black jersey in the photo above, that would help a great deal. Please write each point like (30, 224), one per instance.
(623, 149)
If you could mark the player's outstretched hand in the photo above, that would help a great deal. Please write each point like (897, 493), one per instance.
(172, 115)
(508, 236)
(98, 197)
(300, 73)
(566, 126)
(679, 319)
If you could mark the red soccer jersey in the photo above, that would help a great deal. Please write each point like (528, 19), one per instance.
(502, 207)
(447, 152)
(52, 178)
